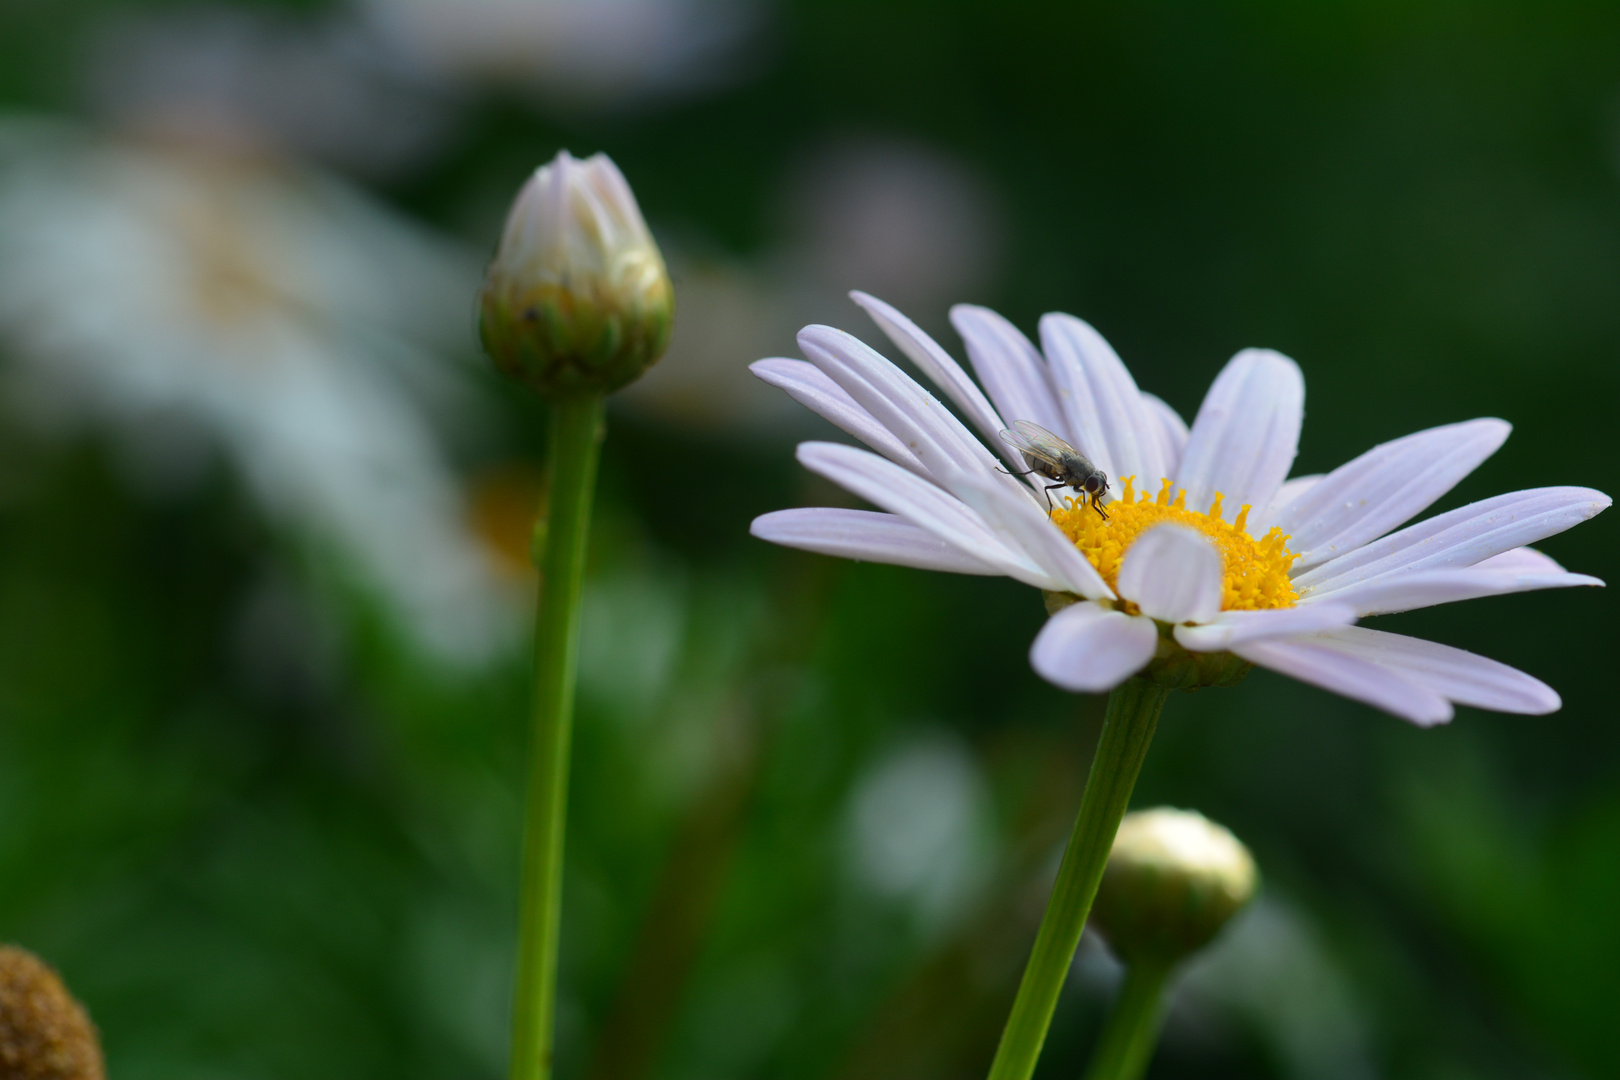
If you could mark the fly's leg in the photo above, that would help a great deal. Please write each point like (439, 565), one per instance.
(1047, 491)
(1096, 504)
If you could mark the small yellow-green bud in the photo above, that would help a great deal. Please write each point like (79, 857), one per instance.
(577, 299)
(1173, 880)
(44, 1033)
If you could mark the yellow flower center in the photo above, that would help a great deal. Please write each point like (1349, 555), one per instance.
(1255, 571)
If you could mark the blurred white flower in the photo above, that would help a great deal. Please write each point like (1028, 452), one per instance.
(593, 53)
(919, 828)
(328, 88)
(1273, 970)
(278, 311)
(895, 217)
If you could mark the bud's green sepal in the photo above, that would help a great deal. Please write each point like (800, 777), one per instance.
(577, 299)
(1173, 880)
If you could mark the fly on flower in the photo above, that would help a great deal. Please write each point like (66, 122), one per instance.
(1055, 459)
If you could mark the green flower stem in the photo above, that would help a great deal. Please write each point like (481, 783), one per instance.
(1132, 1030)
(1133, 714)
(576, 439)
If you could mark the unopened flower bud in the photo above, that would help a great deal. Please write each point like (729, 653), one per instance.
(577, 299)
(44, 1033)
(1173, 880)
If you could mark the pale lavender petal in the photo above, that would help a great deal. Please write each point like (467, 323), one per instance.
(1315, 661)
(939, 366)
(862, 534)
(1461, 537)
(1089, 649)
(1246, 434)
(1172, 437)
(1384, 488)
(1173, 573)
(1023, 527)
(892, 488)
(1389, 593)
(1012, 370)
(1113, 426)
(917, 418)
(1521, 561)
(1231, 628)
(1292, 489)
(810, 387)
(1461, 676)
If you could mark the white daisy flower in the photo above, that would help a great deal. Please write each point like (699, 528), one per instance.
(1209, 559)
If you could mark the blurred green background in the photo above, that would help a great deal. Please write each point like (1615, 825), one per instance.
(262, 515)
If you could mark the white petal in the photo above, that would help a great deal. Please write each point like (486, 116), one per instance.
(1231, 628)
(1012, 370)
(1112, 424)
(1385, 488)
(862, 534)
(810, 387)
(1023, 527)
(939, 366)
(1314, 661)
(1425, 588)
(1292, 489)
(1089, 649)
(923, 425)
(885, 484)
(1463, 677)
(1521, 561)
(1460, 537)
(1172, 435)
(1173, 573)
(1246, 434)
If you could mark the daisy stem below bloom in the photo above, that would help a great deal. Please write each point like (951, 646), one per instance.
(1132, 1029)
(1133, 714)
(576, 439)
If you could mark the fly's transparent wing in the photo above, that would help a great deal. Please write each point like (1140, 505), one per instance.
(1037, 442)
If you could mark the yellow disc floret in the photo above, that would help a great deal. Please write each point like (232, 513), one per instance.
(1256, 571)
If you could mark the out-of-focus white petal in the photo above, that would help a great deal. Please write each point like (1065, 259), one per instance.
(1173, 573)
(1316, 661)
(1025, 528)
(862, 534)
(1460, 537)
(1089, 649)
(939, 366)
(1384, 488)
(917, 418)
(1231, 628)
(1244, 438)
(887, 485)
(1463, 677)
(1172, 437)
(1012, 370)
(1112, 425)
(810, 387)
(1425, 588)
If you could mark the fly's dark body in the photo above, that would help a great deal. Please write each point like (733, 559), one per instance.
(1051, 457)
